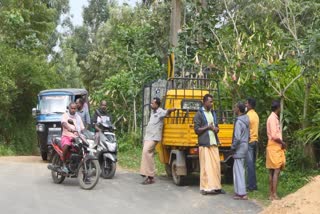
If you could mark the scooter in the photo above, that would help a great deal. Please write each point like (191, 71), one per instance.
(107, 150)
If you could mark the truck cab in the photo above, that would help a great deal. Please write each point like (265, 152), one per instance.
(51, 105)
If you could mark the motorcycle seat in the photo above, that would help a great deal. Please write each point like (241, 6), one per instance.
(57, 141)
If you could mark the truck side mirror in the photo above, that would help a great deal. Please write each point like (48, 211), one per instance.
(35, 112)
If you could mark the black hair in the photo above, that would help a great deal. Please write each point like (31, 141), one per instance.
(242, 107)
(205, 97)
(158, 101)
(252, 102)
(275, 105)
(72, 103)
(80, 100)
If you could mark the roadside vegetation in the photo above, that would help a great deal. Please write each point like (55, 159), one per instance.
(262, 49)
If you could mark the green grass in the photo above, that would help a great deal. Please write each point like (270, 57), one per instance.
(6, 150)
(131, 158)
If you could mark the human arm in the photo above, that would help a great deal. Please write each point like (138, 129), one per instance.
(170, 110)
(199, 127)
(274, 131)
(88, 120)
(236, 135)
(68, 127)
(65, 125)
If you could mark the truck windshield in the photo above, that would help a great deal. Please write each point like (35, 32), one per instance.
(53, 104)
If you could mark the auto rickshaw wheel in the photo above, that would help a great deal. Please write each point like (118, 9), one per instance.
(177, 179)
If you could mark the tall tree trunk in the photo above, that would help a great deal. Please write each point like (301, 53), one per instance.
(281, 112)
(175, 24)
(134, 115)
(308, 148)
(306, 103)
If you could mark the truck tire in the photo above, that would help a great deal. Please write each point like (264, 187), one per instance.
(44, 155)
(168, 169)
(179, 180)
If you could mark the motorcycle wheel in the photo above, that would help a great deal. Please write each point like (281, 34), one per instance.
(56, 176)
(108, 169)
(90, 177)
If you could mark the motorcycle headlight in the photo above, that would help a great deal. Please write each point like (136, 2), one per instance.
(91, 143)
(40, 127)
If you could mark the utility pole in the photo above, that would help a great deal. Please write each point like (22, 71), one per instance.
(175, 22)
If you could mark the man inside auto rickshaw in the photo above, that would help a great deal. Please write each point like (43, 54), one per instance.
(206, 127)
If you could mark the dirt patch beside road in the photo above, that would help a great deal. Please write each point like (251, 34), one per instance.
(22, 159)
(305, 200)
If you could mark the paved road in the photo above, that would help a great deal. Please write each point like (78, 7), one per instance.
(26, 187)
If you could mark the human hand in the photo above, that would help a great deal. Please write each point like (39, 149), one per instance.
(211, 126)
(216, 129)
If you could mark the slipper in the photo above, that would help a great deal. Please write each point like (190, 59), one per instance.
(203, 192)
(238, 197)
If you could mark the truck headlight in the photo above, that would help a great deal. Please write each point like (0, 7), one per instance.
(40, 127)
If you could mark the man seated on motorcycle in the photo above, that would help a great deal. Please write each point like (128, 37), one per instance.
(69, 131)
(100, 116)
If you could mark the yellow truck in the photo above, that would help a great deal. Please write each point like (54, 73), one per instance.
(179, 147)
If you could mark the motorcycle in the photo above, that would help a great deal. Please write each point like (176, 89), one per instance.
(107, 150)
(81, 162)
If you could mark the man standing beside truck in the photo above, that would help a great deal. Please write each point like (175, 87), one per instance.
(239, 147)
(152, 137)
(253, 144)
(206, 127)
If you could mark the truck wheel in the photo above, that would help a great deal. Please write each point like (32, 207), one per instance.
(177, 179)
(168, 169)
(44, 155)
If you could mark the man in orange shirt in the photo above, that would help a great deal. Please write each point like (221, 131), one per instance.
(253, 143)
(275, 157)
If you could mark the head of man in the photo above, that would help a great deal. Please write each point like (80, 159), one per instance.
(103, 105)
(250, 104)
(275, 107)
(72, 108)
(207, 101)
(239, 108)
(79, 103)
(155, 103)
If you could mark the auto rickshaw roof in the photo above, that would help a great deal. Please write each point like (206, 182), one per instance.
(72, 91)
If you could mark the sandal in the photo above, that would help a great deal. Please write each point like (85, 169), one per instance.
(148, 181)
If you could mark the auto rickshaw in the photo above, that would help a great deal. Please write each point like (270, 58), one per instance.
(51, 105)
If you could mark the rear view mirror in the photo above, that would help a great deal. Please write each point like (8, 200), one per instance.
(35, 112)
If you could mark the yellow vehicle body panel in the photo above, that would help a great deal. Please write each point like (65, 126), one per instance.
(178, 130)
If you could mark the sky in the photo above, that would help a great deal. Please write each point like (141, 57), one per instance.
(77, 5)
